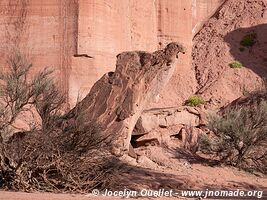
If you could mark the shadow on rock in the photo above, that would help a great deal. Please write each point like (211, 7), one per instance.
(249, 46)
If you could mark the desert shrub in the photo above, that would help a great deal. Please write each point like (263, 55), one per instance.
(51, 158)
(195, 101)
(19, 94)
(49, 101)
(236, 64)
(240, 136)
(248, 40)
(15, 94)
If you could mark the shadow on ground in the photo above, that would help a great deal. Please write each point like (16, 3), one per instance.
(139, 178)
(181, 153)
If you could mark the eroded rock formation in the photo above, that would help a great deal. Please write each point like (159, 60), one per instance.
(54, 32)
(117, 100)
(165, 117)
(163, 126)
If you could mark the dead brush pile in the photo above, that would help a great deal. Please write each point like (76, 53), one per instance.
(36, 161)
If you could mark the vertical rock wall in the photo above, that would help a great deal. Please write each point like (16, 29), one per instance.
(202, 10)
(43, 30)
(81, 38)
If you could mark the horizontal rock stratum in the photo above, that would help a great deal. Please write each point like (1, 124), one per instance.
(116, 101)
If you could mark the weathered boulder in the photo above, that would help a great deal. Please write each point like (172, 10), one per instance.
(158, 136)
(165, 125)
(166, 117)
(116, 101)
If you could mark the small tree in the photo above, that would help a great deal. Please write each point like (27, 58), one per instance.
(19, 93)
(14, 90)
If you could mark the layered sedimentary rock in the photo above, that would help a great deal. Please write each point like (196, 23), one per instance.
(166, 117)
(169, 126)
(202, 10)
(45, 31)
(81, 38)
(117, 100)
(109, 27)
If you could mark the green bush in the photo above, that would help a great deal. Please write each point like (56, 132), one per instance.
(195, 101)
(235, 64)
(248, 40)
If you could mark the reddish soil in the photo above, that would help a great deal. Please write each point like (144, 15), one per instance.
(49, 196)
(177, 169)
(165, 168)
(218, 44)
(176, 174)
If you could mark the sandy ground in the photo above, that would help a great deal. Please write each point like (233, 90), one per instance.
(173, 170)
(46, 196)
(50, 196)
(178, 170)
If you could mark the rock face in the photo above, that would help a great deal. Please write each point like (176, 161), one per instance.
(219, 43)
(117, 100)
(166, 117)
(81, 38)
(46, 31)
(202, 10)
(167, 126)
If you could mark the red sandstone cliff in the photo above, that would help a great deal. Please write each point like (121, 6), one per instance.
(219, 43)
(53, 31)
